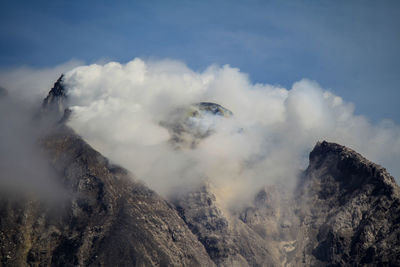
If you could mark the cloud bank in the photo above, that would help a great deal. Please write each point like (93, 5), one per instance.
(118, 108)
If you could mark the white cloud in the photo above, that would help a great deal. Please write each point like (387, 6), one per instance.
(117, 108)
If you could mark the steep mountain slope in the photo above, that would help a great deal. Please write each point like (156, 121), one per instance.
(107, 220)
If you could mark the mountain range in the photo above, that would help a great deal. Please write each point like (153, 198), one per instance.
(343, 211)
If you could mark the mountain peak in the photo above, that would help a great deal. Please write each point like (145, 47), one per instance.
(58, 91)
(190, 124)
(351, 170)
(325, 148)
(353, 204)
(55, 102)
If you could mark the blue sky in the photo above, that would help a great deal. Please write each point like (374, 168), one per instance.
(349, 47)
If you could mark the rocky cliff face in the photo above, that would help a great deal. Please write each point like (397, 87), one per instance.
(345, 211)
(349, 211)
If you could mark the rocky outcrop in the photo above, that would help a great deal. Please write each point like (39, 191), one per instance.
(55, 105)
(349, 211)
(57, 95)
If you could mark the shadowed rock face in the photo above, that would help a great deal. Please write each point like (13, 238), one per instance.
(55, 106)
(345, 211)
(349, 210)
(56, 98)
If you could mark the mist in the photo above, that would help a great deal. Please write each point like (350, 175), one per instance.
(25, 167)
(119, 110)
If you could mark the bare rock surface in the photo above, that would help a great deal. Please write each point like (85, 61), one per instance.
(349, 211)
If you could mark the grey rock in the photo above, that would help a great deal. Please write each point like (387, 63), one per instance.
(55, 105)
(349, 211)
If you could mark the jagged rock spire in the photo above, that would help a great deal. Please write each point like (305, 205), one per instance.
(55, 102)
(56, 94)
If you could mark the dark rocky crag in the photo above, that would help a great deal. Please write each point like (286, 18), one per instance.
(345, 211)
(349, 209)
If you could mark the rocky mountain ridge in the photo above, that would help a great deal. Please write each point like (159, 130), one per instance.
(345, 211)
